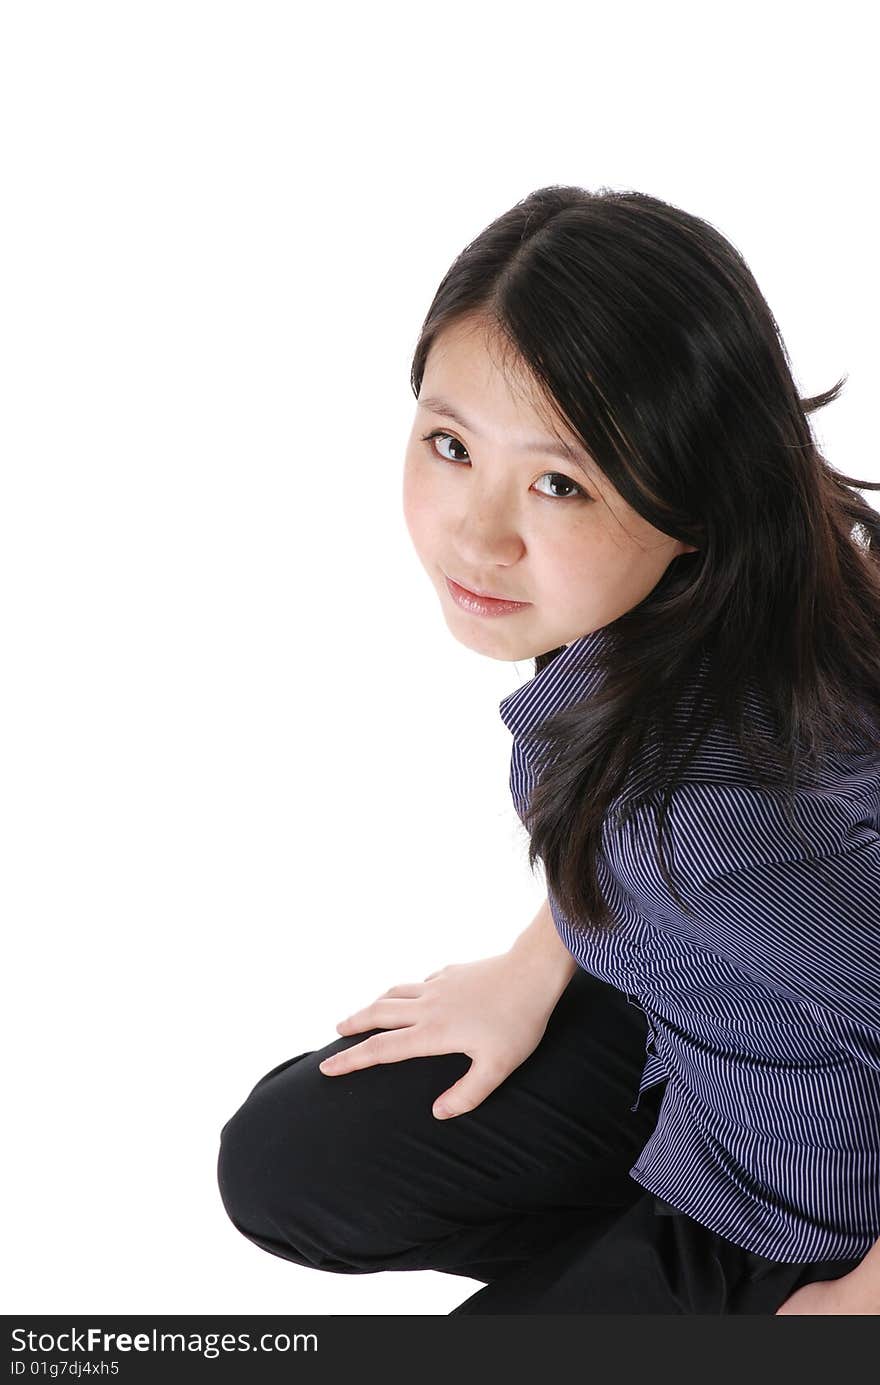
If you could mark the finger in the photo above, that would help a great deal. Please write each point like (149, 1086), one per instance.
(382, 1014)
(392, 1047)
(467, 1093)
(360, 1019)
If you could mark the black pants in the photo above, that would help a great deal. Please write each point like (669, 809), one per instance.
(528, 1193)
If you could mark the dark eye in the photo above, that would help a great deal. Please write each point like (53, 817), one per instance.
(437, 434)
(574, 490)
(558, 479)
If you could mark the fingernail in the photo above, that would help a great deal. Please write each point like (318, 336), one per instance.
(327, 1063)
(441, 1110)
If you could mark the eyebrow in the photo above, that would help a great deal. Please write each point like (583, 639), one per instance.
(435, 405)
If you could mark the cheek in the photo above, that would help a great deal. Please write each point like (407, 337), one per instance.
(580, 547)
(420, 514)
(585, 559)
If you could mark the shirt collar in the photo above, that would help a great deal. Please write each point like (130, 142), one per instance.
(569, 678)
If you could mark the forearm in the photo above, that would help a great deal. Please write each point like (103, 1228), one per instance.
(544, 954)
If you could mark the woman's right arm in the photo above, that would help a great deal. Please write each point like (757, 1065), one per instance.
(541, 951)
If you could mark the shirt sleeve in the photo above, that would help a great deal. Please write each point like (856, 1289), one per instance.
(799, 912)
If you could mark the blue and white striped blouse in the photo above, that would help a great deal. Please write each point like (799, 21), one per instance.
(764, 1009)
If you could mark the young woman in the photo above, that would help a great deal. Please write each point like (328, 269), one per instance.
(665, 1097)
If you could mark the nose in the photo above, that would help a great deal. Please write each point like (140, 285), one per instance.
(485, 545)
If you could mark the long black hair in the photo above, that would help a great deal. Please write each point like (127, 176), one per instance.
(651, 342)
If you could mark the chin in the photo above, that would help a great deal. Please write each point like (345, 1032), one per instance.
(482, 639)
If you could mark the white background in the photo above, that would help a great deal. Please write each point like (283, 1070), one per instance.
(249, 779)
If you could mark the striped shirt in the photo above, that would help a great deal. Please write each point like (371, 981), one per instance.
(763, 1009)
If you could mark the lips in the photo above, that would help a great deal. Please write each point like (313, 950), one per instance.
(478, 605)
(490, 596)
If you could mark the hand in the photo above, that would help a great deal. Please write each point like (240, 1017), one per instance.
(493, 1010)
(826, 1296)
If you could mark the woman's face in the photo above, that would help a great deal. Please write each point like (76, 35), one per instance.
(489, 505)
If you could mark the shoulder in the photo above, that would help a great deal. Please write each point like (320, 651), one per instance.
(714, 827)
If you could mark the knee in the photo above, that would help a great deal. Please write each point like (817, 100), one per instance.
(267, 1193)
(238, 1174)
(293, 1173)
